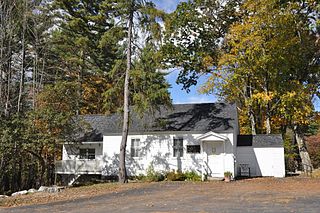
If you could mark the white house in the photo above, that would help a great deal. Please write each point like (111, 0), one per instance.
(199, 137)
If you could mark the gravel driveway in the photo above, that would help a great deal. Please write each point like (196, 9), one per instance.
(254, 195)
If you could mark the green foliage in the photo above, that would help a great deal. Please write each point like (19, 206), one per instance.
(153, 176)
(314, 127)
(87, 36)
(193, 37)
(267, 68)
(140, 177)
(86, 48)
(192, 176)
(175, 176)
(290, 153)
(148, 87)
(56, 105)
(227, 174)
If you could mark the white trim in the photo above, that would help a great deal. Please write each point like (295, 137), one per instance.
(88, 142)
(219, 137)
(85, 142)
(165, 132)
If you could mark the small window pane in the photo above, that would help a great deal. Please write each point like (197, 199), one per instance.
(91, 154)
(178, 147)
(193, 149)
(87, 154)
(83, 153)
(135, 147)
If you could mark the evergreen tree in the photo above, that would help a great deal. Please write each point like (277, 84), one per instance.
(141, 77)
(86, 47)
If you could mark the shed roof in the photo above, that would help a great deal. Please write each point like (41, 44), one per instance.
(218, 117)
(271, 140)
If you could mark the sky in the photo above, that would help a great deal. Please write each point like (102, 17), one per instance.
(178, 95)
(181, 96)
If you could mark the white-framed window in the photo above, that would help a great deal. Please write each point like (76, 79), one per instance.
(177, 147)
(135, 147)
(88, 154)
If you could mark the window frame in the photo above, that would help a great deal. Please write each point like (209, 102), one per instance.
(178, 148)
(87, 154)
(135, 150)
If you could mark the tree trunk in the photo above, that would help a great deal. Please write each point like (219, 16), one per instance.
(80, 80)
(54, 163)
(252, 122)
(266, 90)
(7, 104)
(122, 162)
(23, 50)
(268, 122)
(304, 155)
(248, 96)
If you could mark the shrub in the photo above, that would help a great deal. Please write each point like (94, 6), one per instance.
(192, 176)
(291, 154)
(175, 176)
(141, 177)
(153, 176)
(313, 145)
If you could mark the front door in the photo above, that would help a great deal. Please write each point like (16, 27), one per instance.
(215, 156)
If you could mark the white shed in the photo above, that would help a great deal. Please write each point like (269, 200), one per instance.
(260, 155)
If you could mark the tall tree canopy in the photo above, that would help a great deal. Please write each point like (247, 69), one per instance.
(143, 85)
(268, 68)
(86, 47)
(194, 32)
(62, 58)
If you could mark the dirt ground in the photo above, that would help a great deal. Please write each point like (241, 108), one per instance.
(251, 195)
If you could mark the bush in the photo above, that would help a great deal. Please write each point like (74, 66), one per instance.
(153, 176)
(140, 177)
(175, 176)
(192, 176)
(313, 145)
(291, 154)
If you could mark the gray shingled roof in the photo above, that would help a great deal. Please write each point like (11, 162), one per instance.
(218, 117)
(271, 140)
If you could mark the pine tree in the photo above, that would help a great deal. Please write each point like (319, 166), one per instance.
(141, 77)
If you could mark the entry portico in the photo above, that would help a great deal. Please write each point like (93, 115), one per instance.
(213, 150)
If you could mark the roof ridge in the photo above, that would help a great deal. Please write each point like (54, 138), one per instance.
(178, 104)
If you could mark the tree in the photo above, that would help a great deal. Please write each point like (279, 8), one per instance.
(313, 141)
(268, 68)
(141, 76)
(193, 36)
(18, 52)
(85, 46)
(51, 124)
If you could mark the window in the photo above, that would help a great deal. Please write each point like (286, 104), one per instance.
(178, 147)
(87, 154)
(135, 147)
(193, 148)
